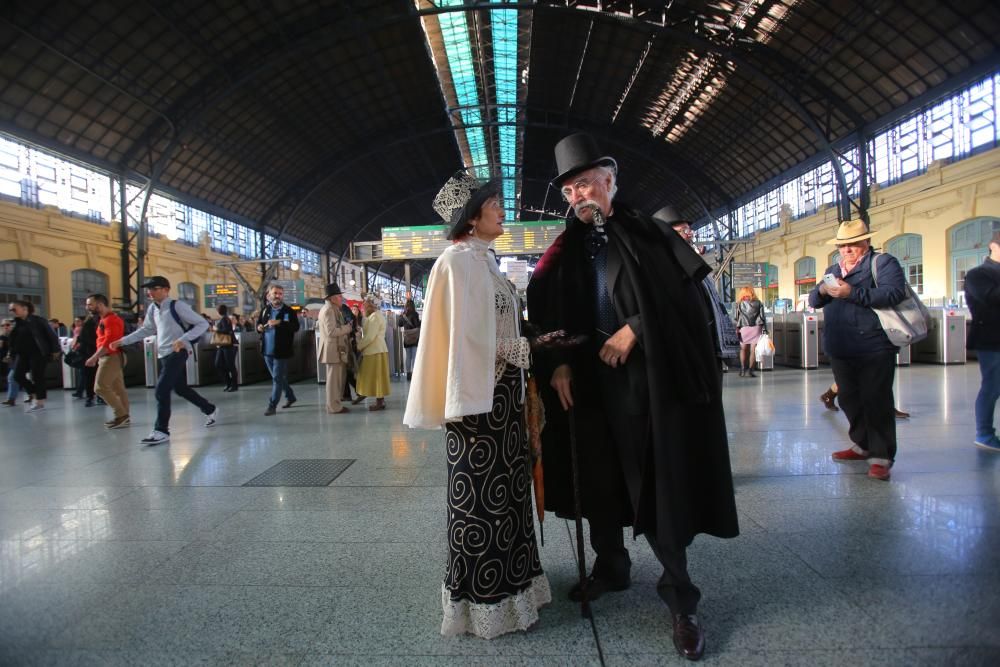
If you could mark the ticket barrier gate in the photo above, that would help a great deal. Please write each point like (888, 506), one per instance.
(970, 354)
(302, 365)
(796, 339)
(205, 371)
(945, 342)
(134, 371)
(152, 364)
(250, 364)
(904, 356)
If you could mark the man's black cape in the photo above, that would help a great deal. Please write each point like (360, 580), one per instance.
(678, 477)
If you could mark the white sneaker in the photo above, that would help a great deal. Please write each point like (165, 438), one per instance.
(155, 438)
(35, 407)
(212, 418)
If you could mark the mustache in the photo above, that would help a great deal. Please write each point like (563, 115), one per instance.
(584, 205)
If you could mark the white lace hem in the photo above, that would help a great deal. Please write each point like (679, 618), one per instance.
(517, 612)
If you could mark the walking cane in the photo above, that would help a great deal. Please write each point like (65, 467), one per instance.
(581, 556)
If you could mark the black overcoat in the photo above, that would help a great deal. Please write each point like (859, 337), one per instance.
(678, 478)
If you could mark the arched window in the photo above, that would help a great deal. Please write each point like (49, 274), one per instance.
(188, 293)
(24, 281)
(909, 250)
(86, 282)
(771, 285)
(969, 246)
(805, 275)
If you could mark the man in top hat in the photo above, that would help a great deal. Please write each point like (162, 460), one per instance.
(334, 347)
(644, 391)
(177, 328)
(727, 342)
(861, 355)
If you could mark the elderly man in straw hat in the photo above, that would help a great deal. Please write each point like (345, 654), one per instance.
(861, 354)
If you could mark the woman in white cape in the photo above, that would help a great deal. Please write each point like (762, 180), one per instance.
(468, 378)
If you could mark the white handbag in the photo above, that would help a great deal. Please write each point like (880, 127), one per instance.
(907, 322)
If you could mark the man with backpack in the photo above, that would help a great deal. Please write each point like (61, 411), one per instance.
(176, 327)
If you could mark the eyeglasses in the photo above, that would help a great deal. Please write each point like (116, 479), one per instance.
(582, 185)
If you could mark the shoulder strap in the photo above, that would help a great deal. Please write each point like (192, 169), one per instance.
(177, 318)
(875, 256)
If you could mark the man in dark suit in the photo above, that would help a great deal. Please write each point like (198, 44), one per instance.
(643, 392)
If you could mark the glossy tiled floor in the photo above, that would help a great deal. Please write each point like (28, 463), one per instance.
(115, 554)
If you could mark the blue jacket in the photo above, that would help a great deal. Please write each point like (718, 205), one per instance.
(851, 328)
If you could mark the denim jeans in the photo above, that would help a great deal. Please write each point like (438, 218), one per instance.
(13, 388)
(278, 368)
(173, 377)
(989, 392)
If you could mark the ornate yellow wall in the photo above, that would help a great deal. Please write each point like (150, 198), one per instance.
(63, 244)
(929, 205)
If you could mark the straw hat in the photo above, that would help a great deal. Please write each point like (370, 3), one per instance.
(851, 231)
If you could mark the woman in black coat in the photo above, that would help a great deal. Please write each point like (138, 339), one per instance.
(225, 355)
(410, 322)
(34, 342)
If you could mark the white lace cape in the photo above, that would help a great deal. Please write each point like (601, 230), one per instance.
(517, 612)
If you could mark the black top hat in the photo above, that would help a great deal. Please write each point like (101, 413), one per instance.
(576, 153)
(461, 198)
(333, 289)
(668, 214)
(155, 281)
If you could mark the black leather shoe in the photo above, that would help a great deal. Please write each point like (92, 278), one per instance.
(689, 638)
(596, 588)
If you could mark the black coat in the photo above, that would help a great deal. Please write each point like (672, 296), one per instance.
(851, 329)
(284, 334)
(982, 293)
(678, 476)
(87, 339)
(33, 336)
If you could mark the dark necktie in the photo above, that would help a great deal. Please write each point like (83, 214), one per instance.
(596, 245)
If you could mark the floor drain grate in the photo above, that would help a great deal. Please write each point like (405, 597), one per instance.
(302, 472)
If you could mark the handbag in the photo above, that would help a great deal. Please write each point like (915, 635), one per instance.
(74, 359)
(907, 322)
(411, 336)
(220, 339)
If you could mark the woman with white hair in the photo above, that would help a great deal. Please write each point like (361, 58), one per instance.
(373, 378)
(468, 378)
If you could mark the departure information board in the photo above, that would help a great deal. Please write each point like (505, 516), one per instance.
(753, 274)
(528, 238)
(217, 294)
(294, 291)
(414, 242)
(428, 241)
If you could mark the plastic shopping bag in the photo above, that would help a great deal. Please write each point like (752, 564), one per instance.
(764, 348)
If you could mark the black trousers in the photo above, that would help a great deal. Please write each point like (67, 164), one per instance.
(35, 364)
(624, 426)
(864, 389)
(225, 363)
(89, 375)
